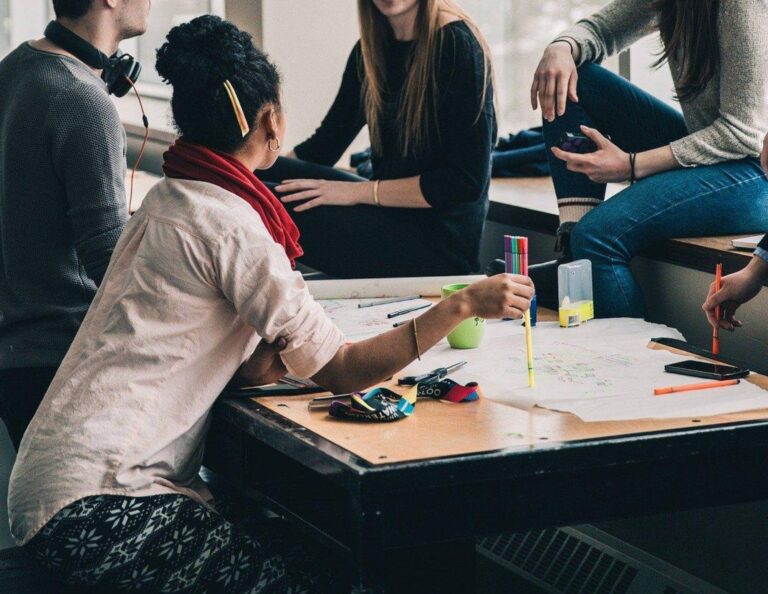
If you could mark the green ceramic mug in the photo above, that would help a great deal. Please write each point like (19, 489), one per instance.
(469, 334)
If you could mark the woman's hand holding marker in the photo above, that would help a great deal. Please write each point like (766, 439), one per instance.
(500, 296)
(735, 290)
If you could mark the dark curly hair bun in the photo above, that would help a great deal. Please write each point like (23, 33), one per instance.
(196, 59)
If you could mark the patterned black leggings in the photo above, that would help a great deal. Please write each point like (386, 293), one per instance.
(170, 543)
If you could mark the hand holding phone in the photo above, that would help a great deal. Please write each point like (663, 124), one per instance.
(575, 142)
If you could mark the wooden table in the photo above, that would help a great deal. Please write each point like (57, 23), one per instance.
(405, 501)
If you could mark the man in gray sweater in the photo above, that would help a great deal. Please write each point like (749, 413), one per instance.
(62, 196)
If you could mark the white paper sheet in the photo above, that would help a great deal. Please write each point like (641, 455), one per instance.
(366, 288)
(601, 371)
(361, 323)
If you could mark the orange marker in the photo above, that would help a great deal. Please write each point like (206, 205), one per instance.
(716, 329)
(689, 387)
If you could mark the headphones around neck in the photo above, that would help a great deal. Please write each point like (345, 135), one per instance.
(120, 71)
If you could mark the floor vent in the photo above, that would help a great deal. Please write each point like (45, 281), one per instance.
(585, 560)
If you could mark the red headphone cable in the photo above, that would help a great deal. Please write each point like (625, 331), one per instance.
(145, 121)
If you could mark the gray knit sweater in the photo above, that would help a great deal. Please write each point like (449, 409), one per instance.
(62, 201)
(729, 119)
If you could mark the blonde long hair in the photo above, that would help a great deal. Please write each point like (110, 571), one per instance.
(419, 100)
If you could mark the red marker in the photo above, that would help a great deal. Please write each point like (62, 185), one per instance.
(716, 329)
(690, 387)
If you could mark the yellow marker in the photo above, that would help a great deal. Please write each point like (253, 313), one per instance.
(529, 348)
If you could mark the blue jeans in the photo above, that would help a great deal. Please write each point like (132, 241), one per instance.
(722, 199)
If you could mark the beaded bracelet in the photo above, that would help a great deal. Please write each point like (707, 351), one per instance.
(632, 177)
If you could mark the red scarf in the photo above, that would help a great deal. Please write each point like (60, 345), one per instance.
(185, 160)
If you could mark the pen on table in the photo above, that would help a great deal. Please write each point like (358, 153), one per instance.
(716, 329)
(691, 387)
(433, 376)
(326, 400)
(388, 301)
(402, 312)
(403, 323)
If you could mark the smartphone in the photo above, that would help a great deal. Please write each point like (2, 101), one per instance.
(715, 371)
(572, 142)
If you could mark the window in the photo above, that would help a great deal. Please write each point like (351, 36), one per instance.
(165, 16)
(5, 27)
(517, 33)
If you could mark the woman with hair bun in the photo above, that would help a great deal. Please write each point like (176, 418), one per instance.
(200, 288)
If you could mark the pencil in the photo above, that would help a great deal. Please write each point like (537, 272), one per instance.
(529, 348)
(690, 387)
(402, 312)
(387, 301)
(716, 329)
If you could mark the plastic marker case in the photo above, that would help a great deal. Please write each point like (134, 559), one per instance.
(574, 289)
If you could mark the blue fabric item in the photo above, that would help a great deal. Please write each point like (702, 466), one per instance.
(521, 155)
(761, 253)
(727, 198)
(530, 161)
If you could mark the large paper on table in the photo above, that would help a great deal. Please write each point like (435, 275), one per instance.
(365, 288)
(600, 371)
(359, 323)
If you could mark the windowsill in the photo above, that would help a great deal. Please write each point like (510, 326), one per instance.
(155, 135)
(158, 111)
(530, 203)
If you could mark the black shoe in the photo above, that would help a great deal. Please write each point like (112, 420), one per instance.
(544, 275)
(563, 241)
(495, 267)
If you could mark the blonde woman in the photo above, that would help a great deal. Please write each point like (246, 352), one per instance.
(420, 78)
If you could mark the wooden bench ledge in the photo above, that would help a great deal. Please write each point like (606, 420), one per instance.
(530, 203)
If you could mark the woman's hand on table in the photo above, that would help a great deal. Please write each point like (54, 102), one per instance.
(735, 289)
(500, 296)
(264, 366)
(607, 164)
(321, 192)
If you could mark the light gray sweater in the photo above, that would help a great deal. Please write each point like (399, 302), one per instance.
(729, 118)
(62, 201)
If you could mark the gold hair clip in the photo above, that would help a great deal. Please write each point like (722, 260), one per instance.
(239, 113)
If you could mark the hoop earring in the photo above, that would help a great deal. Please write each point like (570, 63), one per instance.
(269, 144)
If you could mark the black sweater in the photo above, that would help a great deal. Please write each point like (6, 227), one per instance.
(454, 173)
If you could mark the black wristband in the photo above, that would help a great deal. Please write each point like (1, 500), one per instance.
(632, 177)
(568, 41)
